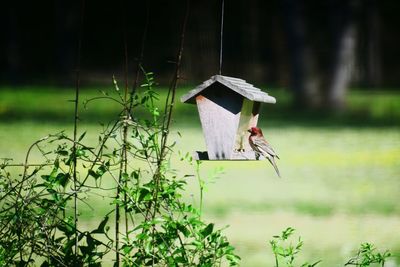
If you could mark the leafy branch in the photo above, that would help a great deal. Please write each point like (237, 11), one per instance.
(367, 255)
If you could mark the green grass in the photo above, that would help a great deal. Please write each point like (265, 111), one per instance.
(364, 107)
(340, 183)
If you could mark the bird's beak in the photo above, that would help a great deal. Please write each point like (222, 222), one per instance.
(249, 131)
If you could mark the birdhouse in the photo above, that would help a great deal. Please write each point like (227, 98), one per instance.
(227, 107)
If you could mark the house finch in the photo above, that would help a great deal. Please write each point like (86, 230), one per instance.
(262, 147)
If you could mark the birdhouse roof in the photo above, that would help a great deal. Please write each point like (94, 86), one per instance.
(237, 85)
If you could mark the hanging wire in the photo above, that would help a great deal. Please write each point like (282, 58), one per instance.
(221, 37)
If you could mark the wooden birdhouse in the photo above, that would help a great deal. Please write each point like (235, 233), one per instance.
(227, 107)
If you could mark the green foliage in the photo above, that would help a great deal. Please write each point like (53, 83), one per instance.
(37, 221)
(367, 256)
(285, 251)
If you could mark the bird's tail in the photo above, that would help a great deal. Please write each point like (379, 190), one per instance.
(272, 160)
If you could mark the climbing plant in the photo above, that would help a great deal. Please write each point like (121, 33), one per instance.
(152, 224)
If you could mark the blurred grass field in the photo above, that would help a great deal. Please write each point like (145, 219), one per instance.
(341, 171)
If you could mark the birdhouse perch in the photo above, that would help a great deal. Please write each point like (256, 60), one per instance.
(227, 107)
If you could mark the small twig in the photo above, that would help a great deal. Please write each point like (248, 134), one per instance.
(141, 56)
(28, 165)
(76, 118)
(169, 104)
(100, 151)
(103, 97)
(201, 187)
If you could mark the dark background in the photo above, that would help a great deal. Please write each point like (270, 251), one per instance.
(307, 46)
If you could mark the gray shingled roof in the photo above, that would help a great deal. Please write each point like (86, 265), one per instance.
(238, 85)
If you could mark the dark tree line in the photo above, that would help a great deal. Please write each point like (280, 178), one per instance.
(316, 48)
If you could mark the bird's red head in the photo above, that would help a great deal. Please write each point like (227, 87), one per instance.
(255, 131)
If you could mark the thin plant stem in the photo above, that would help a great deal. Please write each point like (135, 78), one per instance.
(18, 209)
(141, 55)
(201, 186)
(124, 163)
(76, 118)
(169, 104)
(127, 115)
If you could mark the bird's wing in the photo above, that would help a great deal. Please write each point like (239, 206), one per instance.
(264, 147)
(272, 160)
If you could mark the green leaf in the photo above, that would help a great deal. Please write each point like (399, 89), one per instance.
(126, 249)
(142, 236)
(101, 170)
(183, 230)
(82, 136)
(197, 244)
(101, 228)
(115, 83)
(62, 152)
(67, 229)
(125, 177)
(68, 246)
(144, 194)
(80, 152)
(62, 179)
(180, 259)
(94, 174)
(135, 175)
(207, 230)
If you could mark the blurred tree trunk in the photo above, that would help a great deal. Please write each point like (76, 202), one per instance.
(12, 46)
(343, 68)
(374, 63)
(251, 42)
(343, 54)
(300, 54)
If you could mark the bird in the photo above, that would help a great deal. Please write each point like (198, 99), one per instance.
(262, 147)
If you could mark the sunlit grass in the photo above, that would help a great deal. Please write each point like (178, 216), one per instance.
(334, 189)
(340, 183)
(364, 107)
